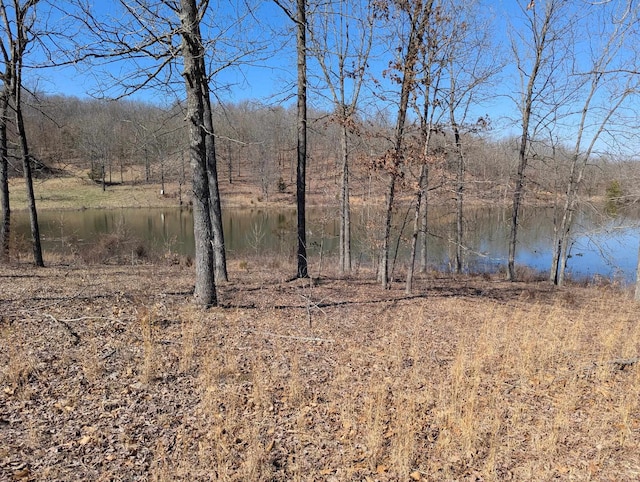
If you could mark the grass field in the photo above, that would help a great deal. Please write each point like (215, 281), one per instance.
(75, 192)
(110, 373)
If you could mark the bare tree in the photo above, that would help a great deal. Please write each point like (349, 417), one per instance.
(5, 229)
(456, 63)
(299, 19)
(161, 34)
(18, 33)
(429, 112)
(470, 65)
(417, 13)
(539, 52)
(341, 39)
(608, 83)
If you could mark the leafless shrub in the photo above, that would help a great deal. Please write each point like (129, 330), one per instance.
(117, 247)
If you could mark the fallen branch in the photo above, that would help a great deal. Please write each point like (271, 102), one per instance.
(290, 337)
(618, 364)
(64, 323)
(623, 363)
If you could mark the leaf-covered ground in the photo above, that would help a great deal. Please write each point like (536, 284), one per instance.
(109, 373)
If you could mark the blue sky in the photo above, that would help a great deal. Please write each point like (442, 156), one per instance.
(267, 76)
(271, 78)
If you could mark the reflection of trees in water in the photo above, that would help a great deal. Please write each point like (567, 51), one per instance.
(600, 244)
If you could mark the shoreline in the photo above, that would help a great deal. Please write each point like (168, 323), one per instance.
(78, 194)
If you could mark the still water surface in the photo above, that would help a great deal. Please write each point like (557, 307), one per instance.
(601, 246)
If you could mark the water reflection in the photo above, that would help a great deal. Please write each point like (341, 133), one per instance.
(603, 246)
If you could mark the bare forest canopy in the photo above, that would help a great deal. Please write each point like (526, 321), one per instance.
(474, 64)
(256, 144)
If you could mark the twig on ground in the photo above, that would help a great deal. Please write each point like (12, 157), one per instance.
(310, 305)
(290, 337)
(618, 364)
(64, 323)
(623, 363)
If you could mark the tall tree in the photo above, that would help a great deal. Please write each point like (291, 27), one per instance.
(161, 34)
(539, 53)
(341, 35)
(299, 19)
(192, 54)
(608, 81)
(428, 109)
(417, 13)
(5, 229)
(18, 26)
(470, 64)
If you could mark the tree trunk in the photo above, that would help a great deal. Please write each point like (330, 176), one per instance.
(219, 252)
(386, 240)
(205, 289)
(541, 44)
(424, 224)
(345, 210)
(422, 188)
(515, 212)
(522, 166)
(420, 221)
(301, 43)
(5, 229)
(28, 178)
(459, 197)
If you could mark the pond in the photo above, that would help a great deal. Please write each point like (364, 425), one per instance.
(601, 245)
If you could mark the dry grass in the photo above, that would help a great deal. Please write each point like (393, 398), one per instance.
(470, 379)
(79, 192)
(76, 191)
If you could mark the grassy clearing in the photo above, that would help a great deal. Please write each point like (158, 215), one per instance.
(77, 191)
(111, 373)
(82, 193)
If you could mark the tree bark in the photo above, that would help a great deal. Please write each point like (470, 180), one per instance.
(424, 225)
(5, 229)
(420, 221)
(459, 196)
(422, 189)
(517, 201)
(301, 175)
(192, 51)
(219, 251)
(386, 240)
(345, 210)
(28, 178)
